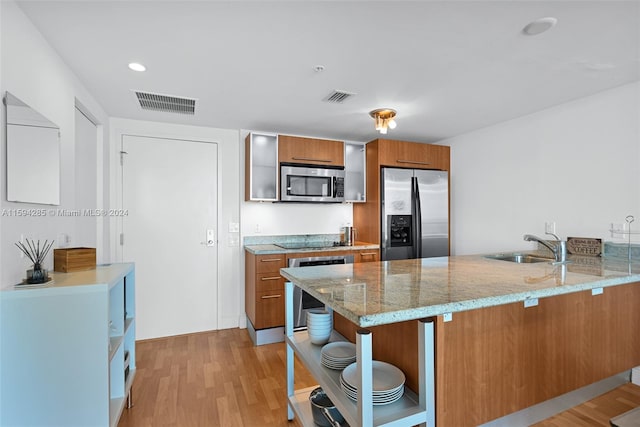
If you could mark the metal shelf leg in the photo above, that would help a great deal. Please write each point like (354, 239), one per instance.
(364, 357)
(426, 369)
(288, 300)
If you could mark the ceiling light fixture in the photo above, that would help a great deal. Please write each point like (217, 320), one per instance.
(135, 66)
(384, 118)
(539, 26)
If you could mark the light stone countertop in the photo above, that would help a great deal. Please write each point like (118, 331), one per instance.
(107, 275)
(376, 293)
(270, 249)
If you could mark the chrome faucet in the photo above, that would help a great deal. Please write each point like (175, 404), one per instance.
(559, 250)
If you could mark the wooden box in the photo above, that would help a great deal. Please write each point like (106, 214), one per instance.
(67, 260)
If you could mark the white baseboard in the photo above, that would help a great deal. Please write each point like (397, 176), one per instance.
(242, 321)
(635, 375)
(265, 336)
(549, 408)
(227, 322)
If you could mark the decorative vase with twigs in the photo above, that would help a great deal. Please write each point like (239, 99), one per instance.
(36, 254)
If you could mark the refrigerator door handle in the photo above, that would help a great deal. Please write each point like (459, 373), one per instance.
(418, 220)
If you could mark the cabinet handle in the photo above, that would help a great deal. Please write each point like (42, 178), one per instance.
(271, 260)
(368, 254)
(270, 278)
(414, 162)
(311, 159)
(271, 296)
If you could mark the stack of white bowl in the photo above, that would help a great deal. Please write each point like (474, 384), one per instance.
(319, 326)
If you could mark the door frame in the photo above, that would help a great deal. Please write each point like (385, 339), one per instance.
(231, 310)
(103, 240)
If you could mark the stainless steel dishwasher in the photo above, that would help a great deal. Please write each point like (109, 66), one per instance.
(302, 301)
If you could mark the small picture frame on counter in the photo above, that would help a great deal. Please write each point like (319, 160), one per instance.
(587, 246)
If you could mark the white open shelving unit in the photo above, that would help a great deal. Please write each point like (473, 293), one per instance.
(65, 348)
(411, 409)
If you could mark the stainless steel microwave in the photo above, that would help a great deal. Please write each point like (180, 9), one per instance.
(311, 184)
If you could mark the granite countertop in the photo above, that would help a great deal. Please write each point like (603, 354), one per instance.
(266, 249)
(377, 293)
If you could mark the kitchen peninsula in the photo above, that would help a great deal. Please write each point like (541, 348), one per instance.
(506, 335)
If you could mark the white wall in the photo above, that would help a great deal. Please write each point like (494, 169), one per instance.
(274, 219)
(32, 71)
(230, 269)
(577, 164)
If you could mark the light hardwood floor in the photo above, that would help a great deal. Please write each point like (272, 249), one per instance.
(210, 379)
(598, 411)
(220, 379)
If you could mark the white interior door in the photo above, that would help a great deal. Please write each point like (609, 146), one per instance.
(170, 231)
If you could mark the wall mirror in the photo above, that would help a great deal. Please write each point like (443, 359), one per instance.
(33, 155)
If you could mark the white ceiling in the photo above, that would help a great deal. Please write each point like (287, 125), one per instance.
(447, 67)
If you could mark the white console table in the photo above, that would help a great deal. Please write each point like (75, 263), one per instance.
(67, 351)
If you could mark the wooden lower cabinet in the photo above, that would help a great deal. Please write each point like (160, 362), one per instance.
(269, 309)
(366, 256)
(494, 361)
(264, 287)
(264, 290)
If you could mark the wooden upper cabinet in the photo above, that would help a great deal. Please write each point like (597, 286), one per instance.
(413, 155)
(295, 149)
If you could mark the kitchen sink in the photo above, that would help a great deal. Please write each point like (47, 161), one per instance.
(519, 258)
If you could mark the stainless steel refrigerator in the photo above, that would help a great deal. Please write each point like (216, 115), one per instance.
(414, 213)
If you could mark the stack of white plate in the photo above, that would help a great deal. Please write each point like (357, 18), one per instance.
(338, 355)
(319, 326)
(388, 382)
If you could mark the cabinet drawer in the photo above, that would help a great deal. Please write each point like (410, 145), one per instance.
(413, 155)
(270, 263)
(269, 309)
(269, 282)
(366, 256)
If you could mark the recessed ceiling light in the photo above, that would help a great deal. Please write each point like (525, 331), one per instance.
(135, 66)
(539, 26)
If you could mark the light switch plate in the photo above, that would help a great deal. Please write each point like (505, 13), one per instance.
(550, 227)
(234, 227)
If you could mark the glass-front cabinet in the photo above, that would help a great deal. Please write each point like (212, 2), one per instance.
(355, 172)
(261, 167)
(262, 151)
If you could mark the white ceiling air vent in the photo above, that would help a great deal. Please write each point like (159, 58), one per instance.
(338, 96)
(166, 103)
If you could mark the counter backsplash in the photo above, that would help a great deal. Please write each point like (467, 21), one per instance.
(621, 250)
(299, 238)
